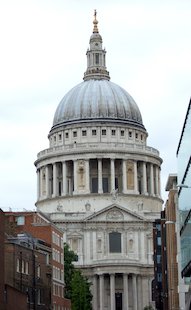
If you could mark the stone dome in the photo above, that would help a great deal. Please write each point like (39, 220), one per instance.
(97, 100)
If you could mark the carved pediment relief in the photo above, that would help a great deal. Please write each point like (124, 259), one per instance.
(115, 213)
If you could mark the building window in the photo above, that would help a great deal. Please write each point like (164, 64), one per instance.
(97, 59)
(94, 132)
(158, 240)
(74, 133)
(122, 133)
(105, 185)
(60, 137)
(84, 133)
(136, 135)
(158, 259)
(141, 137)
(18, 265)
(20, 220)
(66, 135)
(26, 267)
(38, 271)
(113, 132)
(115, 242)
(103, 132)
(130, 134)
(94, 185)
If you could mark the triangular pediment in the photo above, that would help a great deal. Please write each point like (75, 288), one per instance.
(115, 213)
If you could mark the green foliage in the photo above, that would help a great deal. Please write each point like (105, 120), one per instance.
(81, 295)
(77, 287)
(69, 257)
(148, 308)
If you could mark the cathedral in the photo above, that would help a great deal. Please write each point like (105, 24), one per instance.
(100, 183)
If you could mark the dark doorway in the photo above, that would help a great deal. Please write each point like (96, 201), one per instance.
(118, 301)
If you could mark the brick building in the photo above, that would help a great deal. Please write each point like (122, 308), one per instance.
(42, 228)
(27, 269)
(1, 259)
(166, 268)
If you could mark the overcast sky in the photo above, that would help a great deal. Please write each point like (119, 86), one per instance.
(43, 55)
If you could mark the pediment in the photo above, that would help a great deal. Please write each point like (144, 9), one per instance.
(114, 213)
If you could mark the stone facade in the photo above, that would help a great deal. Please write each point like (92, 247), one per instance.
(100, 183)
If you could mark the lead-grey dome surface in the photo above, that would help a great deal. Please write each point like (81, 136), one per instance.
(97, 100)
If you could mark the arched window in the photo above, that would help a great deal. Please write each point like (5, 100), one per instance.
(115, 242)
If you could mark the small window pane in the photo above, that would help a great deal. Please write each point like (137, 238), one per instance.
(113, 132)
(84, 133)
(122, 133)
(93, 132)
(103, 132)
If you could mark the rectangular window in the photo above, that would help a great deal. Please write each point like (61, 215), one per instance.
(66, 135)
(115, 242)
(94, 185)
(158, 259)
(60, 137)
(116, 183)
(23, 266)
(94, 132)
(97, 59)
(18, 265)
(26, 267)
(38, 271)
(84, 133)
(105, 185)
(122, 133)
(130, 134)
(74, 133)
(113, 132)
(103, 132)
(20, 220)
(136, 135)
(159, 241)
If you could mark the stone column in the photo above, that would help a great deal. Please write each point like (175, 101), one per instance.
(112, 163)
(144, 179)
(151, 180)
(87, 167)
(159, 185)
(75, 176)
(38, 184)
(125, 292)
(139, 293)
(47, 182)
(101, 291)
(157, 181)
(134, 279)
(124, 176)
(64, 179)
(135, 178)
(112, 291)
(100, 178)
(54, 180)
(94, 293)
